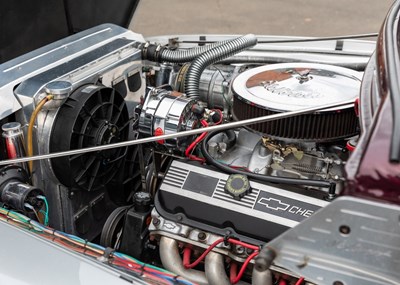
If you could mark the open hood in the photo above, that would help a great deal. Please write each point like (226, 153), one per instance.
(26, 25)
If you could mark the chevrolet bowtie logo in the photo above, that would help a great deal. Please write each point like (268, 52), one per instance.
(273, 204)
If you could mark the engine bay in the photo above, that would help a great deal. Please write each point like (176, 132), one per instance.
(200, 203)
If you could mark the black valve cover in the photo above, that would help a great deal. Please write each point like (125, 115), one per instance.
(195, 196)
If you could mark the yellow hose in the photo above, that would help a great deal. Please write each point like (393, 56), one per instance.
(30, 127)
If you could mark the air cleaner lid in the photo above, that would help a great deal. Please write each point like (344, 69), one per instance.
(294, 86)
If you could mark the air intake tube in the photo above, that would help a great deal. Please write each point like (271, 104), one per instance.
(201, 57)
(211, 56)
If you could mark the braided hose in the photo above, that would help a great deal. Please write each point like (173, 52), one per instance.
(213, 55)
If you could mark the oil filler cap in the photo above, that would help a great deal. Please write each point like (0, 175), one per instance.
(237, 186)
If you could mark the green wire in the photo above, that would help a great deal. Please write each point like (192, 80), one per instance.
(46, 217)
(46, 212)
(14, 215)
(21, 218)
(37, 227)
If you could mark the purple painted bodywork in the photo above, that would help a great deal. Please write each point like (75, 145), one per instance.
(370, 172)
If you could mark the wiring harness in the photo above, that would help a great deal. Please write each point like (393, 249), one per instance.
(147, 272)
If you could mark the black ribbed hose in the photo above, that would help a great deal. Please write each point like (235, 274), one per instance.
(158, 53)
(213, 55)
(265, 178)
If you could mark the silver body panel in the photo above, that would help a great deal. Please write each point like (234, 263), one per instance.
(35, 261)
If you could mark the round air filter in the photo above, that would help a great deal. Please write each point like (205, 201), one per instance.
(277, 88)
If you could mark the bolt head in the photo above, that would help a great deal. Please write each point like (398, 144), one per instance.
(201, 236)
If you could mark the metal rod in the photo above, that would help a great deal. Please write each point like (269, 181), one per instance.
(298, 40)
(180, 134)
(359, 66)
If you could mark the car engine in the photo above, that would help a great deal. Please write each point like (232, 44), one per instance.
(100, 99)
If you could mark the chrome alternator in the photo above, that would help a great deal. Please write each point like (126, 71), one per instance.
(168, 112)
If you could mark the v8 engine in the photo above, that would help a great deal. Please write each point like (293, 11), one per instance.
(167, 153)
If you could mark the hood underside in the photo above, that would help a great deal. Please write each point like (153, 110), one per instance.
(27, 25)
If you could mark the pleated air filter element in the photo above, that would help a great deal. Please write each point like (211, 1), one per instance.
(278, 88)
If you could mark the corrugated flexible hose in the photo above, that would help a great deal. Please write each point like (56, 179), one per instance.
(213, 55)
(183, 56)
